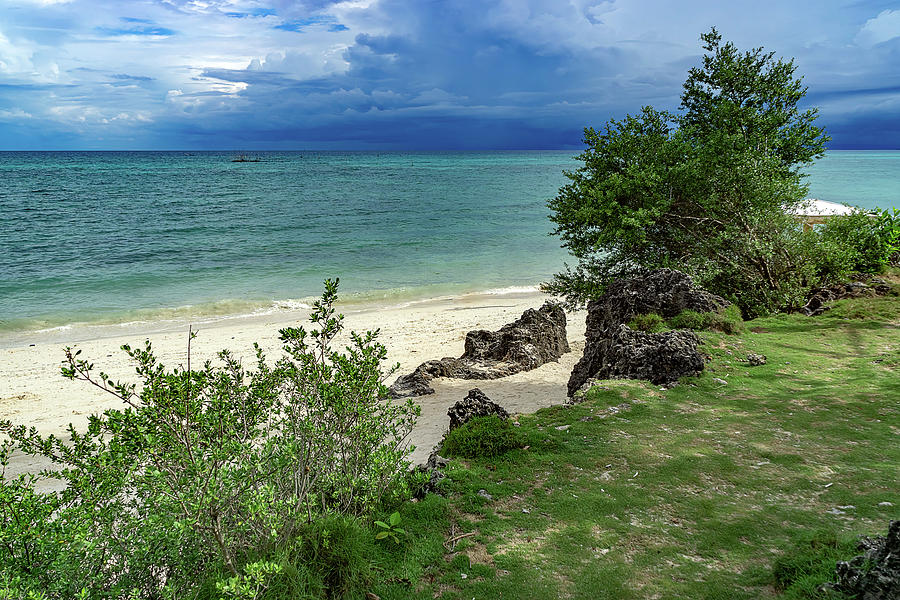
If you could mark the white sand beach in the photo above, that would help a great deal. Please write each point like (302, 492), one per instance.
(33, 393)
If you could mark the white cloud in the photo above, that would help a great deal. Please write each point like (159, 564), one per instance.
(14, 114)
(884, 27)
(15, 57)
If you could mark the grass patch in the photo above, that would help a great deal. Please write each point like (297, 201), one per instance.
(704, 490)
(801, 573)
(483, 437)
(728, 321)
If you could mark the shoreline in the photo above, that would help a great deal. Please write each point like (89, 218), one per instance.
(33, 393)
(167, 319)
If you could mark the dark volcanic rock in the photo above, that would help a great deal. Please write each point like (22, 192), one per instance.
(537, 337)
(820, 297)
(661, 358)
(475, 404)
(417, 383)
(756, 360)
(433, 468)
(665, 292)
(875, 575)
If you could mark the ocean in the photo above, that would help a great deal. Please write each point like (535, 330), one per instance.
(124, 237)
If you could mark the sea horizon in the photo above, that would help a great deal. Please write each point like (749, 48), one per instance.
(177, 236)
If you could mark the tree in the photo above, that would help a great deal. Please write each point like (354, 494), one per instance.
(704, 191)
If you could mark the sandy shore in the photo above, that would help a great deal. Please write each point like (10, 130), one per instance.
(32, 392)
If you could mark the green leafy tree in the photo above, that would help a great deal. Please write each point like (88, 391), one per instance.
(705, 190)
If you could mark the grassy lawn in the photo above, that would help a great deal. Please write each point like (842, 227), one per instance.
(689, 492)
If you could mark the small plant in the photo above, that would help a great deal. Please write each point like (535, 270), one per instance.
(728, 321)
(649, 323)
(483, 437)
(390, 529)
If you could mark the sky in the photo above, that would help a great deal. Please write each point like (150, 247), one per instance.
(410, 74)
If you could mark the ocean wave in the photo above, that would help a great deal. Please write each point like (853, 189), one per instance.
(506, 291)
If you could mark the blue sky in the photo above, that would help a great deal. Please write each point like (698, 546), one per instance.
(411, 74)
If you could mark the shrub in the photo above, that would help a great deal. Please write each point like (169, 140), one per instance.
(728, 321)
(649, 323)
(483, 437)
(205, 470)
(870, 241)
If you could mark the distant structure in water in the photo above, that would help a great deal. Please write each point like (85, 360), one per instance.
(245, 158)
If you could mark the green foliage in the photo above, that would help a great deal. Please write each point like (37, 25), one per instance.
(801, 571)
(728, 321)
(705, 191)
(483, 437)
(870, 242)
(207, 470)
(390, 529)
(649, 323)
(337, 552)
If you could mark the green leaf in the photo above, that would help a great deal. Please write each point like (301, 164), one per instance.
(381, 535)
(395, 518)
(382, 524)
(398, 530)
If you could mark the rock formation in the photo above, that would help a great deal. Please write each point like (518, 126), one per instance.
(612, 349)
(819, 297)
(475, 404)
(875, 575)
(537, 337)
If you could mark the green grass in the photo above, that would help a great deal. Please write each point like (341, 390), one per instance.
(692, 492)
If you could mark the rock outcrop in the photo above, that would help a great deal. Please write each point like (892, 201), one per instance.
(537, 337)
(756, 360)
(661, 358)
(820, 297)
(434, 474)
(874, 575)
(475, 404)
(612, 349)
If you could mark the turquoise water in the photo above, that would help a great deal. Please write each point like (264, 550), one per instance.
(120, 236)
(87, 237)
(865, 178)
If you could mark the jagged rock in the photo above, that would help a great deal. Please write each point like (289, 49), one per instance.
(537, 337)
(661, 358)
(665, 292)
(875, 575)
(475, 404)
(819, 297)
(756, 360)
(433, 468)
(417, 383)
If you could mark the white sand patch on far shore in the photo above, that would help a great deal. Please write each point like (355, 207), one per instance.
(33, 393)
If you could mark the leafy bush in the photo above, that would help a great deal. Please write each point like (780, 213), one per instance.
(483, 437)
(205, 471)
(870, 241)
(649, 323)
